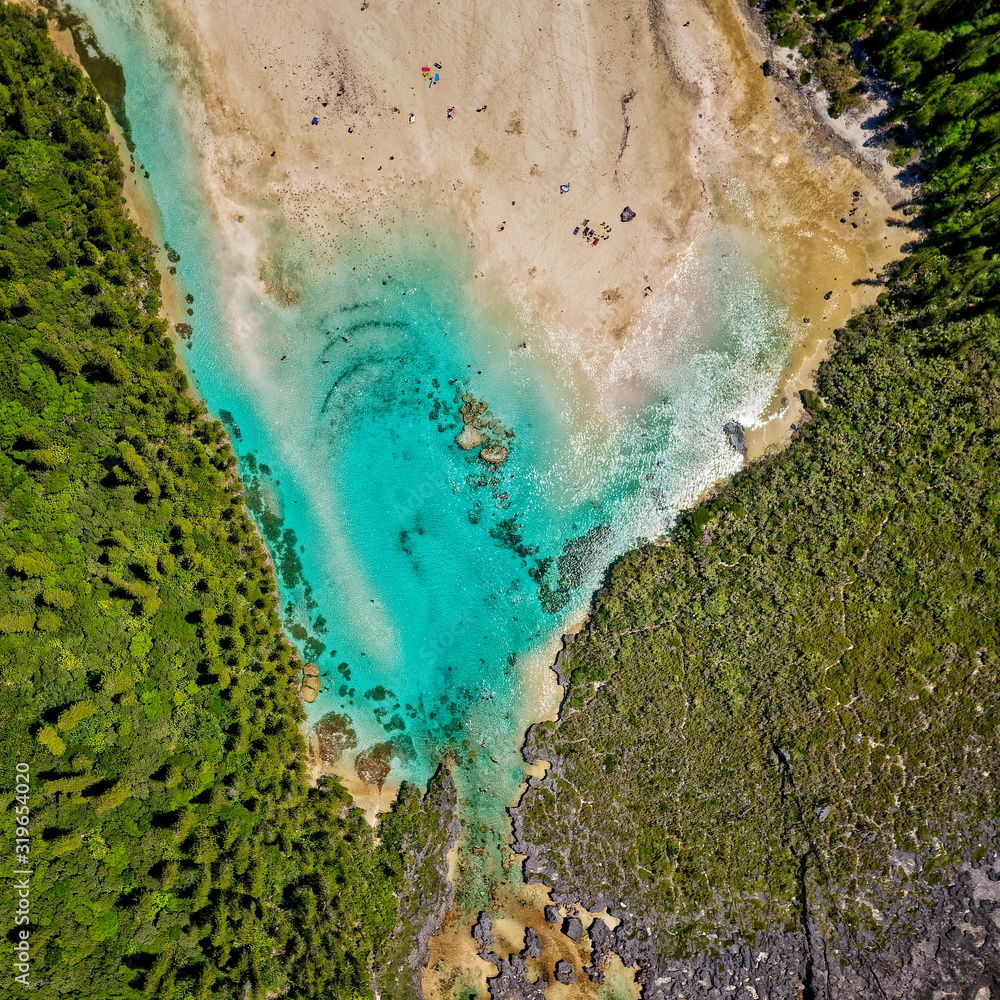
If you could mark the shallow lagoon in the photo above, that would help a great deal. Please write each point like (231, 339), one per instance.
(419, 578)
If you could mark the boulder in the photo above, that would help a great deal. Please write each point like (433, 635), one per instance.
(767, 67)
(496, 455)
(552, 914)
(564, 972)
(737, 436)
(310, 689)
(573, 928)
(627, 214)
(469, 438)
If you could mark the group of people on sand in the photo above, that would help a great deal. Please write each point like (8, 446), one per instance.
(432, 78)
(591, 234)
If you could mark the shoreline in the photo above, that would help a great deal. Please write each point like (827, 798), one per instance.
(139, 200)
(707, 94)
(774, 429)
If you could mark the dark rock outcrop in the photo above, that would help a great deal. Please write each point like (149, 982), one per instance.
(561, 675)
(564, 972)
(602, 944)
(532, 944)
(429, 894)
(482, 932)
(511, 981)
(572, 927)
(949, 945)
(737, 436)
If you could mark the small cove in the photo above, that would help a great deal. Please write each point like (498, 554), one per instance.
(420, 579)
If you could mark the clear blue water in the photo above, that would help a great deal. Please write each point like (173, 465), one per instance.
(418, 578)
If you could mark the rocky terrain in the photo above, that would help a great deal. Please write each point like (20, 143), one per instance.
(923, 934)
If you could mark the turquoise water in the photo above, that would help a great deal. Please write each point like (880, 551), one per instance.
(418, 578)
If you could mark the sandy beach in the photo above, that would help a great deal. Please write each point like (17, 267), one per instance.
(669, 115)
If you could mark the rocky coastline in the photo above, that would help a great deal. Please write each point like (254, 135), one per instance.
(923, 933)
(945, 946)
(428, 897)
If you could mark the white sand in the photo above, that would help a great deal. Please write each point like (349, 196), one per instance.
(705, 140)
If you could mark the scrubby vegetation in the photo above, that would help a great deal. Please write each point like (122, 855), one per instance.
(803, 680)
(177, 849)
(942, 56)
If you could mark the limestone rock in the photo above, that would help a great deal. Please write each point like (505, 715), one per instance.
(482, 932)
(469, 438)
(496, 455)
(532, 944)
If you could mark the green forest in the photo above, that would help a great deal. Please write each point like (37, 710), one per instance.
(801, 683)
(177, 848)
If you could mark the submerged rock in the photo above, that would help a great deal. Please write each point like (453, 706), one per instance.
(495, 455)
(469, 438)
(334, 736)
(481, 429)
(374, 764)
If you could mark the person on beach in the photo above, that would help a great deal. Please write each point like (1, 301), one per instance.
(451, 112)
(411, 118)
